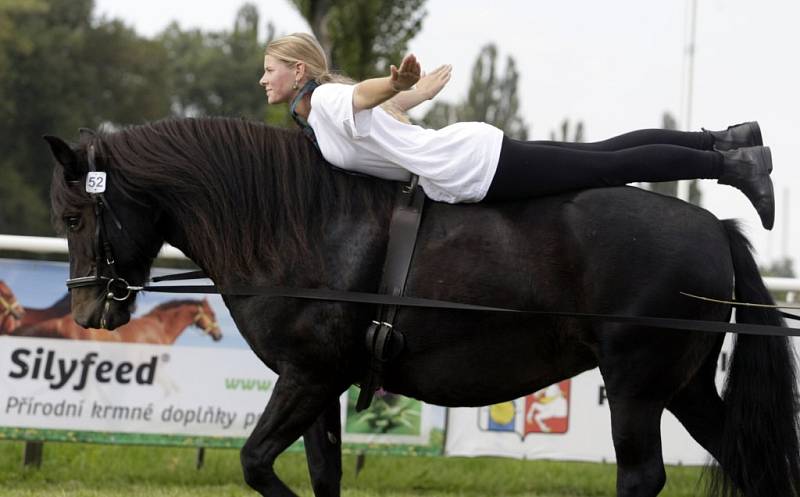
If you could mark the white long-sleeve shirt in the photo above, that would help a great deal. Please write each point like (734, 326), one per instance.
(454, 164)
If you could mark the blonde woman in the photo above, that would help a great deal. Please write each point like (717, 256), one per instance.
(362, 127)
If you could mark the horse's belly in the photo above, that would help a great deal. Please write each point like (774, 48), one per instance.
(483, 363)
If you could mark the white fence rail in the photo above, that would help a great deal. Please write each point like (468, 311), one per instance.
(43, 245)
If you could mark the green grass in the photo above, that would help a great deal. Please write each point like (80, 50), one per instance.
(85, 470)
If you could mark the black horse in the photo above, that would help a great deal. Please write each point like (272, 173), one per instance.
(255, 204)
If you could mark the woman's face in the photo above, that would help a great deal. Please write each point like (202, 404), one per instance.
(278, 80)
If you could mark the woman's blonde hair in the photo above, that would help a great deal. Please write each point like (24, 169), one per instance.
(303, 47)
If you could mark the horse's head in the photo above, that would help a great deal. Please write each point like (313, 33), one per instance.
(112, 235)
(11, 312)
(206, 320)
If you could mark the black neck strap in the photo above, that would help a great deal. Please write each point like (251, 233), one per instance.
(306, 89)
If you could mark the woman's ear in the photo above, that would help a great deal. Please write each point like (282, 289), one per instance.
(299, 71)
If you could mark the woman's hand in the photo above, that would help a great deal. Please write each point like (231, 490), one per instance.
(407, 75)
(430, 85)
(373, 92)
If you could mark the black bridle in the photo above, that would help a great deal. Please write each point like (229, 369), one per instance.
(117, 288)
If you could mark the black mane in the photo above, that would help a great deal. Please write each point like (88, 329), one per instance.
(245, 192)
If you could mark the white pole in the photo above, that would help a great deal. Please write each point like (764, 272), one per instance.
(690, 52)
(42, 245)
(683, 186)
(786, 224)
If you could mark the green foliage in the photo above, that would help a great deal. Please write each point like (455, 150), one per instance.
(492, 98)
(362, 38)
(21, 206)
(781, 268)
(577, 134)
(10, 38)
(63, 70)
(217, 73)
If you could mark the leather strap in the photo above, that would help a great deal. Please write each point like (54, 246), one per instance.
(403, 230)
(406, 218)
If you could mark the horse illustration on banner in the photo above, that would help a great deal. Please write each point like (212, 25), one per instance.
(162, 325)
(11, 312)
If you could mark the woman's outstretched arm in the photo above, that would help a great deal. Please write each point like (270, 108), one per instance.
(373, 92)
(428, 86)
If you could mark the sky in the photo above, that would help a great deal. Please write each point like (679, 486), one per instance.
(616, 65)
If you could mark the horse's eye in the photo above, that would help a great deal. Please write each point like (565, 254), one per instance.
(72, 222)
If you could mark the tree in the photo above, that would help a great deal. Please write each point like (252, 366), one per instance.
(491, 98)
(216, 73)
(577, 135)
(363, 37)
(318, 13)
(671, 188)
(64, 70)
(780, 268)
(11, 40)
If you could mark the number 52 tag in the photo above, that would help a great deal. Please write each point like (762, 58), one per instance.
(96, 182)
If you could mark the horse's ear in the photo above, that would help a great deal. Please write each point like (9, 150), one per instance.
(86, 135)
(65, 156)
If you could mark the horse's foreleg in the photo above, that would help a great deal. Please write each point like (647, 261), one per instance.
(293, 407)
(636, 430)
(324, 451)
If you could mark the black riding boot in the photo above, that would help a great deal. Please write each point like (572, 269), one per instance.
(748, 170)
(737, 136)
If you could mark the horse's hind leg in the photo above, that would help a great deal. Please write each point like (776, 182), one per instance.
(294, 406)
(642, 370)
(699, 407)
(636, 430)
(324, 451)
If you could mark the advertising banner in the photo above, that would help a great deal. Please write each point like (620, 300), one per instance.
(178, 373)
(566, 421)
(130, 388)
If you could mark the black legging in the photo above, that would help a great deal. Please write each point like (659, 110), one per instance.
(534, 168)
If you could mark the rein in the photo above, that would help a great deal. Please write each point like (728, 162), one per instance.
(327, 295)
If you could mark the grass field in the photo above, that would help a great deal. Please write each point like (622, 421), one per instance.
(85, 470)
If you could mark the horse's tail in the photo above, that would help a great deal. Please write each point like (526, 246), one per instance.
(760, 454)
